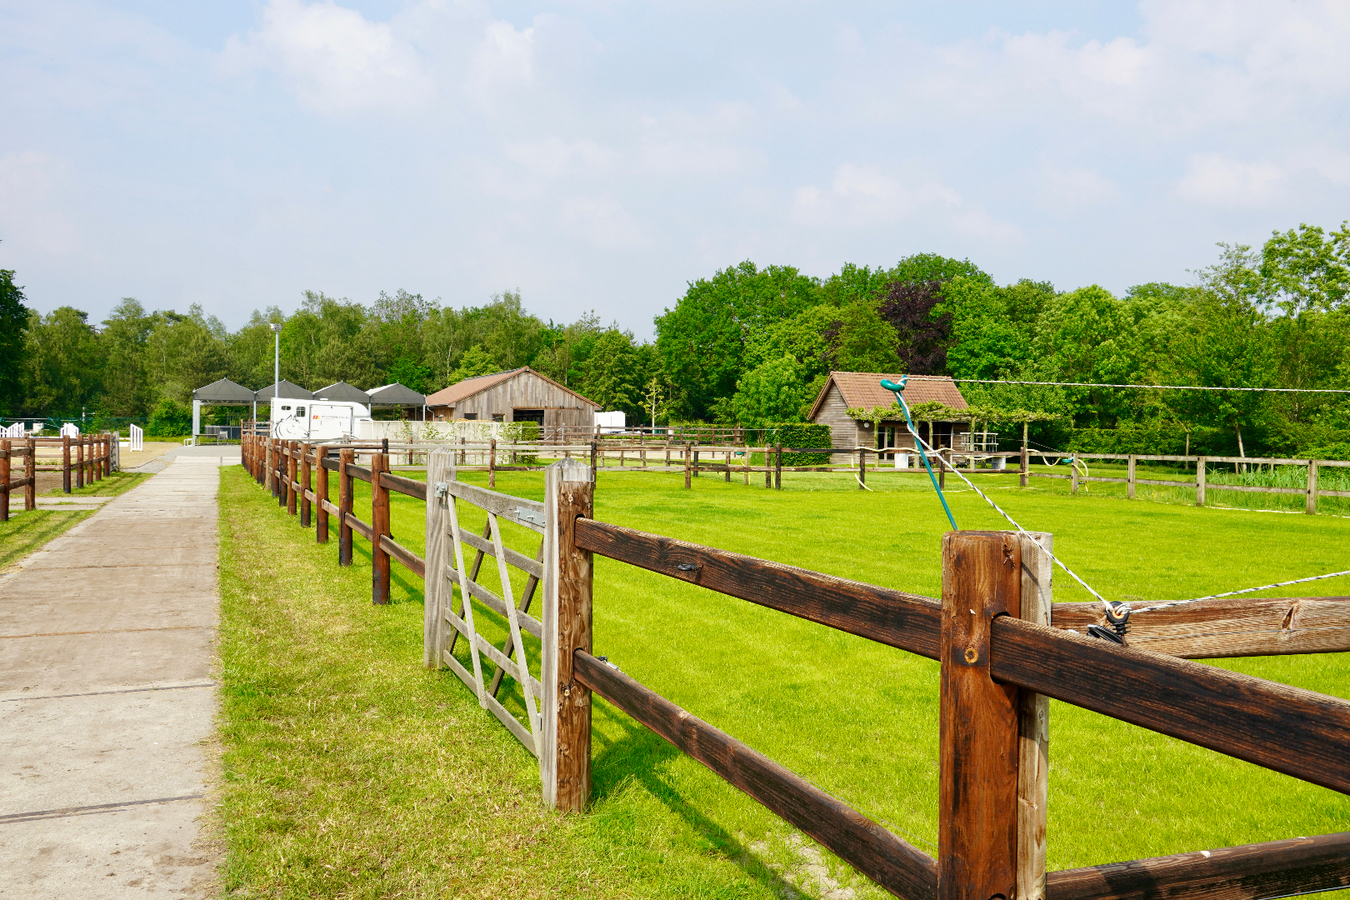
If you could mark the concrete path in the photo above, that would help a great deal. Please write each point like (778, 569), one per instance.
(107, 697)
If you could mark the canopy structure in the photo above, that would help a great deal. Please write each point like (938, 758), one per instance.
(219, 393)
(342, 391)
(288, 391)
(223, 393)
(396, 395)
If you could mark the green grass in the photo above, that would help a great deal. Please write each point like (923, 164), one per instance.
(27, 532)
(113, 485)
(343, 753)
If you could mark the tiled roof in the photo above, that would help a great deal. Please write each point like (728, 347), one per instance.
(863, 389)
(470, 386)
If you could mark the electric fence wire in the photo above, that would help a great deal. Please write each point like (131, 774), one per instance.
(1157, 387)
(1251, 590)
(1059, 562)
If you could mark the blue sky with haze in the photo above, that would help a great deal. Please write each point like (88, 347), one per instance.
(602, 154)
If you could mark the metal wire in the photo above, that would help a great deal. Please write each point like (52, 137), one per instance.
(1251, 590)
(1158, 387)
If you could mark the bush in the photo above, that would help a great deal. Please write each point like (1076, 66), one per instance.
(170, 419)
(800, 434)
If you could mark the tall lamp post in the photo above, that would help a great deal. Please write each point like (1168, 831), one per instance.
(276, 371)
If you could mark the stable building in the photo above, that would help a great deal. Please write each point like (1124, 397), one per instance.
(862, 390)
(517, 395)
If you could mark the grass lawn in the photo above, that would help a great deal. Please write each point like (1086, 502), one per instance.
(352, 772)
(113, 485)
(26, 532)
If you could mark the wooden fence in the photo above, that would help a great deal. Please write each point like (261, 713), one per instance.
(1003, 645)
(86, 458)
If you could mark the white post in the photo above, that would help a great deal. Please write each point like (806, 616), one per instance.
(196, 420)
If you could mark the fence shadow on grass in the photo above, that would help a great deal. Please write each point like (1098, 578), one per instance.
(639, 757)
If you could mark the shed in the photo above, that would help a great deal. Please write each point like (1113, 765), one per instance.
(862, 390)
(341, 390)
(517, 395)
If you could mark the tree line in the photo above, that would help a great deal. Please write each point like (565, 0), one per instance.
(753, 345)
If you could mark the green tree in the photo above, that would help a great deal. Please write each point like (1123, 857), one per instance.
(13, 318)
(474, 363)
(126, 389)
(61, 363)
(184, 352)
(702, 340)
(613, 375)
(773, 391)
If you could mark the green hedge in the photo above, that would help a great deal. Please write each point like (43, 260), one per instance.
(801, 434)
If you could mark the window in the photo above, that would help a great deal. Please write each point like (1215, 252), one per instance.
(285, 409)
(499, 417)
(299, 412)
(471, 416)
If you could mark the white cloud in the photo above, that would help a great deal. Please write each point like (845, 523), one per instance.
(1213, 179)
(334, 58)
(863, 196)
(554, 157)
(1067, 189)
(503, 61)
(601, 222)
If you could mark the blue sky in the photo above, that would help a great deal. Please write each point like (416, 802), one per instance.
(601, 154)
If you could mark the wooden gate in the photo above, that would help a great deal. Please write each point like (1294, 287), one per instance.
(555, 730)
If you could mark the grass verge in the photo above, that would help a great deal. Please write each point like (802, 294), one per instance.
(113, 485)
(27, 532)
(351, 772)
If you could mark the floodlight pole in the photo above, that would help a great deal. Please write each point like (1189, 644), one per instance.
(276, 371)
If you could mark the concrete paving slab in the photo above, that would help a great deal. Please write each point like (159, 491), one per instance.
(141, 851)
(102, 748)
(69, 661)
(106, 697)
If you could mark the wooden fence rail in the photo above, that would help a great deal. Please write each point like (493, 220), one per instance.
(86, 458)
(1003, 646)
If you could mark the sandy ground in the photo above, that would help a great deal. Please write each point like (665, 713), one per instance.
(51, 481)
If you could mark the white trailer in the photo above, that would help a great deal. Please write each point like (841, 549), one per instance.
(316, 420)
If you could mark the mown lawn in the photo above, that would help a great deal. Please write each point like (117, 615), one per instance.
(352, 772)
(28, 532)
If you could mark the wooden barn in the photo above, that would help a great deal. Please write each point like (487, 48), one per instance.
(518, 395)
(862, 390)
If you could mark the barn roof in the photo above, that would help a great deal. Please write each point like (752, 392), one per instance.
(223, 392)
(396, 395)
(470, 386)
(343, 392)
(863, 389)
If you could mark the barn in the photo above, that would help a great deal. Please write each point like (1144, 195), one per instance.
(517, 395)
(862, 390)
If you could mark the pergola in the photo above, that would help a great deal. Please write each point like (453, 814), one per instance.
(397, 395)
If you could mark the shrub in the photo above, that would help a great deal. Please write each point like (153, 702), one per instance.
(801, 434)
(170, 419)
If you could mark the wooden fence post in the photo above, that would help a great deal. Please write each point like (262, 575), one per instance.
(306, 485)
(1073, 475)
(1310, 506)
(695, 467)
(688, 457)
(978, 721)
(79, 462)
(492, 464)
(595, 449)
(768, 467)
(379, 527)
(283, 470)
(344, 507)
(30, 472)
(1129, 488)
(65, 463)
(565, 763)
(5, 445)
(290, 477)
(437, 594)
(320, 495)
(1024, 468)
(778, 467)
(862, 469)
(1033, 712)
(728, 472)
(1199, 481)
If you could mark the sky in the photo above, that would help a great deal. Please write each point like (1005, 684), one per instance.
(600, 155)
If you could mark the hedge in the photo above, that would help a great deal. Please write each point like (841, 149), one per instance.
(801, 434)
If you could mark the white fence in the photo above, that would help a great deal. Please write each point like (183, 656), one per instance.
(137, 442)
(70, 429)
(13, 431)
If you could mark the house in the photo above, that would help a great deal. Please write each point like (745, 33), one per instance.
(517, 395)
(862, 390)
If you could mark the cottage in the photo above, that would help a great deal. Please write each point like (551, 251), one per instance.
(862, 390)
(518, 395)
